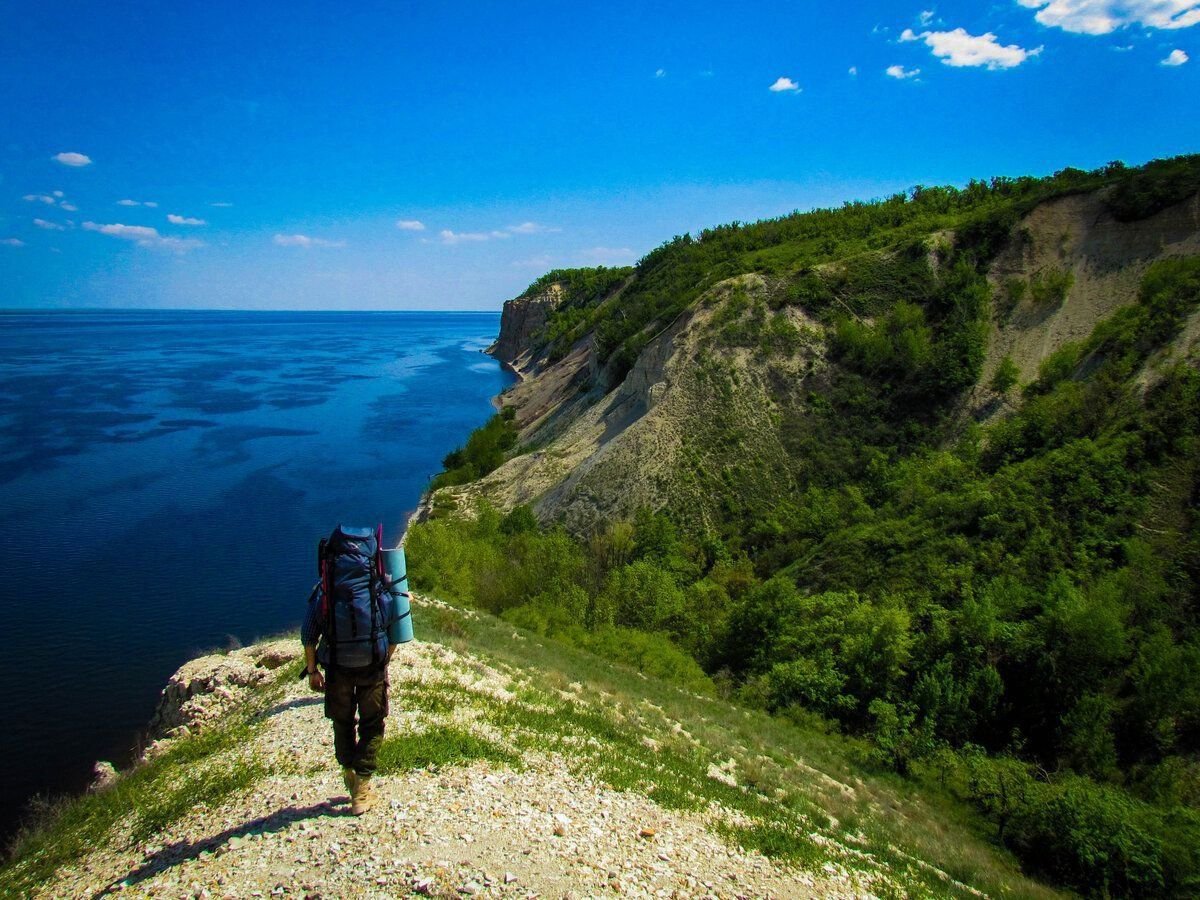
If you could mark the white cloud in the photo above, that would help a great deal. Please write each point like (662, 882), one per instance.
(69, 207)
(143, 236)
(660, 73)
(221, 205)
(72, 159)
(853, 70)
(12, 242)
(410, 224)
(925, 17)
(49, 226)
(58, 194)
(184, 220)
(959, 49)
(901, 73)
(150, 203)
(458, 237)
(908, 35)
(1174, 58)
(39, 198)
(128, 203)
(1106, 16)
(530, 228)
(303, 240)
(783, 84)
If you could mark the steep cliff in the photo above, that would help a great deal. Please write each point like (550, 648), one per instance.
(698, 412)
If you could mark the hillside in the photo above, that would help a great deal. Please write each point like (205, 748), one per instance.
(922, 470)
(513, 767)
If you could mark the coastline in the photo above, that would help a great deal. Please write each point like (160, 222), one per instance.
(424, 508)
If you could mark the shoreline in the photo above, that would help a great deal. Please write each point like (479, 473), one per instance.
(424, 507)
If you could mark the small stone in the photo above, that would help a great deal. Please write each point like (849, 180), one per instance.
(509, 877)
(471, 888)
(646, 833)
(423, 886)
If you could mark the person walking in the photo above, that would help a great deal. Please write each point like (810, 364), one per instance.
(350, 632)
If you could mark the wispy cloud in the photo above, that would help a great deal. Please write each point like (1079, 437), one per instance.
(449, 236)
(12, 242)
(148, 203)
(221, 205)
(48, 226)
(1106, 16)
(184, 220)
(459, 237)
(303, 240)
(902, 73)
(410, 224)
(783, 84)
(1175, 58)
(960, 49)
(660, 73)
(925, 17)
(72, 159)
(531, 228)
(54, 198)
(853, 70)
(143, 236)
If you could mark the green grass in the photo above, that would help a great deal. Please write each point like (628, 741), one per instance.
(198, 770)
(775, 842)
(443, 746)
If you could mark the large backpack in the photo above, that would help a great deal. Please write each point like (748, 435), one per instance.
(353, 608)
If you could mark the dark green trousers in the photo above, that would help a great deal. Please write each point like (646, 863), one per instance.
(366, 693)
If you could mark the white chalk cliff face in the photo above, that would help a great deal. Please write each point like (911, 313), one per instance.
(653, 440)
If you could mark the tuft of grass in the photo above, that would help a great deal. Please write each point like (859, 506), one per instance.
(442, 746)
(775, 842)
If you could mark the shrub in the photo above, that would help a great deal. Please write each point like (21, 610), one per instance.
(1005, 378)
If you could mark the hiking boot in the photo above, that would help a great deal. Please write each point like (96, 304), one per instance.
(363, 798)
(350, 780)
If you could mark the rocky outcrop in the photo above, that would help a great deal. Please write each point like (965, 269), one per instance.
(522, 320)
(1104, 258)
(204, 688)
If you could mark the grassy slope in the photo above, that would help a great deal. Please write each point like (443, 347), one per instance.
(803, 797)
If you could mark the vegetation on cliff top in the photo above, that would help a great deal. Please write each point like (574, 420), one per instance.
(672, 277)
(1008, 611)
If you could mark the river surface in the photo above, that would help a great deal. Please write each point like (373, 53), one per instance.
(164, 479)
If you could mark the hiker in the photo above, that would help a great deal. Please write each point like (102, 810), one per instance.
(350, 629)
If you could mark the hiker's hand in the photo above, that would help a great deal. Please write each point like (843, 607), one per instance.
(316, 680)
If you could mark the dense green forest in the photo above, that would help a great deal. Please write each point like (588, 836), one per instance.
(1009, 612)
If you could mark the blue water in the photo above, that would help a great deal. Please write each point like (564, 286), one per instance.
(164, 479)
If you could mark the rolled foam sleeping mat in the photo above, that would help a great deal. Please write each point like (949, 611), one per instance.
(400, 628)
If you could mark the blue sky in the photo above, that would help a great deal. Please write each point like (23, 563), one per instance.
(428, 155)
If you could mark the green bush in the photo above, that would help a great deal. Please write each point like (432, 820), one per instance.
(485, 450)
(1005, 377)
